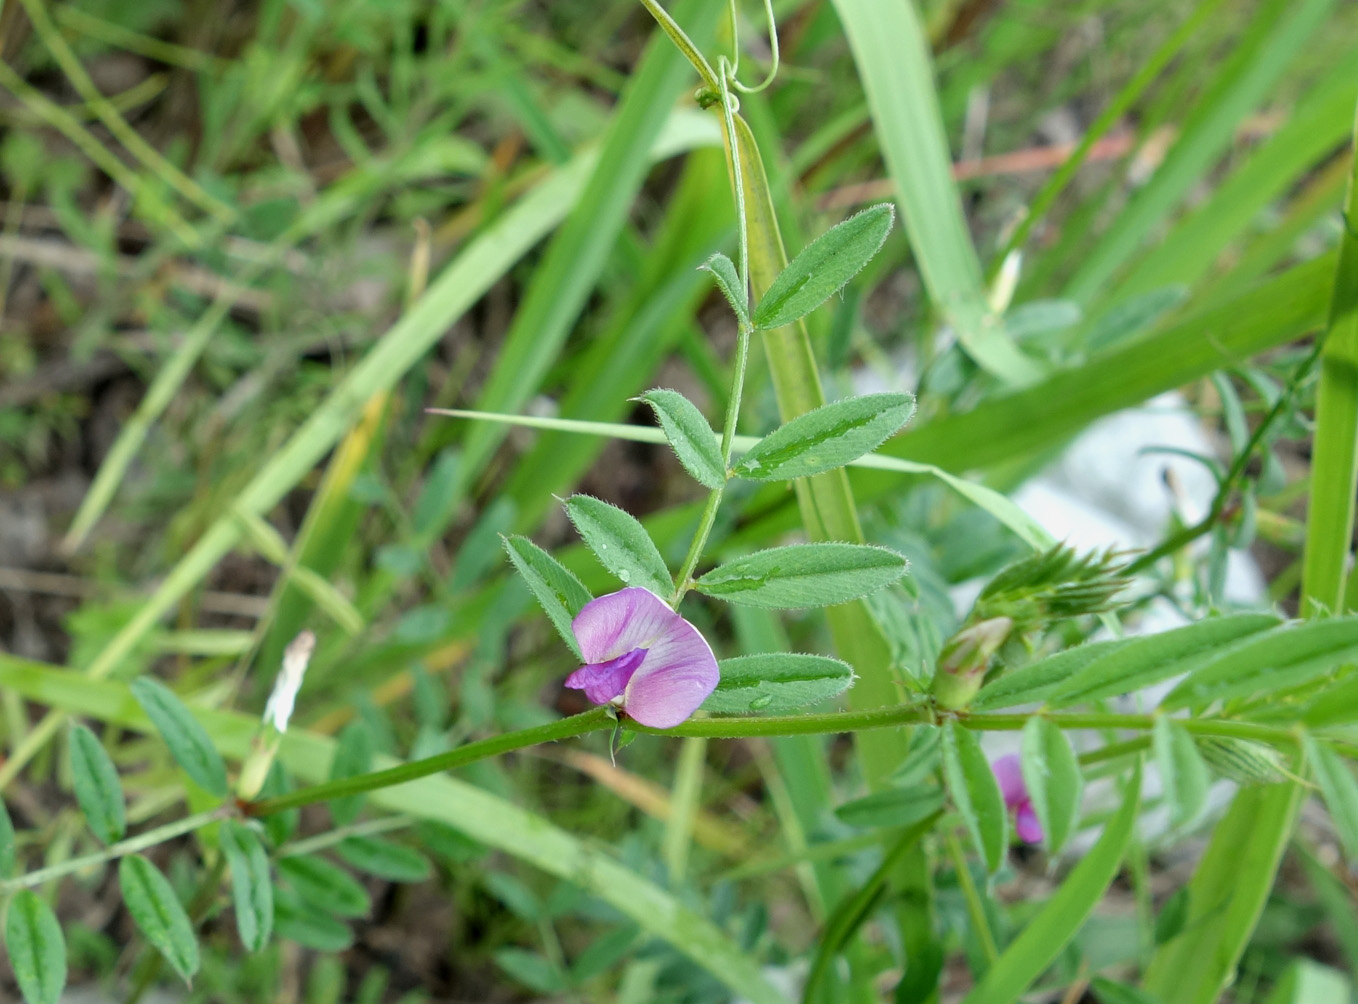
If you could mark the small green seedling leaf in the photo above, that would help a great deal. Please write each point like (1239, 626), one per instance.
(158, 913)
(560, 594)
(188, 741)
(324, 886)
(9, 856)
(892, 807)
(311, 928)
(353, 756)
(975, 793)
(776, 682)
(251, 885)
(804, 575)
(97, 788)
(621, 544)
(384, 858)
(37, 950)
(1108, 992)
(728, 281)
(824, 266)
(1055, 783)
(1340, 790)
(828, 437)
(693, 441)
(1183, 772)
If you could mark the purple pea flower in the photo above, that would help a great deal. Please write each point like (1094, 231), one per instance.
(1009, 774)
(643, 657)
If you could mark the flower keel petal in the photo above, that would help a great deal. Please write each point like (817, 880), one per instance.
(603, 681)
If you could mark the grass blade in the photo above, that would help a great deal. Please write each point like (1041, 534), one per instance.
(1061, 917)
(1226, 896)
(894, 65)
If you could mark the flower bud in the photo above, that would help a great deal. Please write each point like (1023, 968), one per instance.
(964, 660)
(276, 714)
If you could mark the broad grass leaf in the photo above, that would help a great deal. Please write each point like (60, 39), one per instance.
(1054, 780)
(975, 793)
(728, 281)
(384, 858)
(324, 885)
(558, 591)
(353, 756)
(1054, 926)
(693, 441)
(9, 858)
(37, 950)
(97, 788)
(1339, 788)
(251, 883)
(1281, 658)
(188, 741)
(775, 682)
(827, 437)
(804, 575)
(152, 902)
(1226, 897)
(1148, 660)
(621, 544)
(1183, 772)
(824, 266)
(892, 807)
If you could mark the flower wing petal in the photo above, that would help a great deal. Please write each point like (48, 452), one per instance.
(613, 625)
(677, 675)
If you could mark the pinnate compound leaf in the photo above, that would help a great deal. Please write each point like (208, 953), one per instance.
(1150, 659)
(1030, 684)
(1054, 780)
(1062, 916)
(693, 441)
(384, 858)
(621, 544)
(1340, 791)
(353, 756)
(560, 594)
(728, 281)
(975, 793)
(158, 913)
(97, 789)
(775, 682)
(1183, 772)
(824, 266)
(804, 575)
(825, 438)
(324, 886)
(1268, 662)
(188, 741)
(37, 950)
(251, 884)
